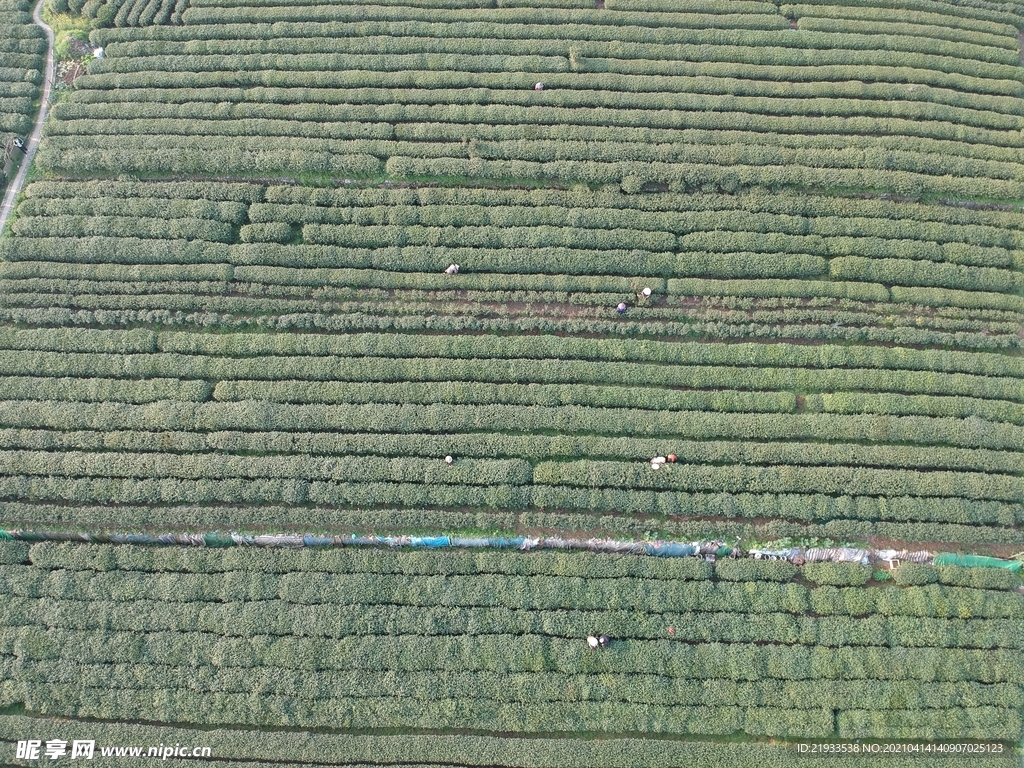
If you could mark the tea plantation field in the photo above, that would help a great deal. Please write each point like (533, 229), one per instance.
(349, 639)
(22, 57)
(277, 261)
(159, 354)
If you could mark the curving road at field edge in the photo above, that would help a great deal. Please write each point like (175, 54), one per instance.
(14, 189)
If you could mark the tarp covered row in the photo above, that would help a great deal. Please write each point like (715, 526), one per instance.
(706, 549)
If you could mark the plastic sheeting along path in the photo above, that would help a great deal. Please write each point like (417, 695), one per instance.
(708, 549)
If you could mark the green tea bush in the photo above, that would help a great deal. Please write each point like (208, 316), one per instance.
(913, 574)
(836, 574)
(754, 570)
(980, 578)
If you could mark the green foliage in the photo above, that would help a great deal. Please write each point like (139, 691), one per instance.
(274, 232)
(123, 13)
(836, 574)
(13, 552)
(62, 47)
(691, 654)
(832, 481)
(264, 747)
(981, 578)
(754, 570)
(287, 352)
(23, 49)
(661, 71)
(913, 574)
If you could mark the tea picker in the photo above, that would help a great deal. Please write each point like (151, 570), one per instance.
(621, 309)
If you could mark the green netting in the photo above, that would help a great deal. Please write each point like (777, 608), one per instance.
(977, 561)
(217, 540)
(5, 536)
(32, 536)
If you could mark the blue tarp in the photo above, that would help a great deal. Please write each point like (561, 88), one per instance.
(317, 541)
(670, 549)
(460, 541)
(432, 542)
(653, 548)
(506, 543)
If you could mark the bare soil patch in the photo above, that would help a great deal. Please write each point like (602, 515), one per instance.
(69, 71)
(78, 47)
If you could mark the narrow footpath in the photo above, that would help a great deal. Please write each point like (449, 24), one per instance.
(14, 189)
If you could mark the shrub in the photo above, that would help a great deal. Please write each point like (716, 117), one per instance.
(837, 574)
(13, 552)
(754, 570)
(979, 578)
(915, 574)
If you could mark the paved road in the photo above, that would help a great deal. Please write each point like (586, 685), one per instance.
(37, 131)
